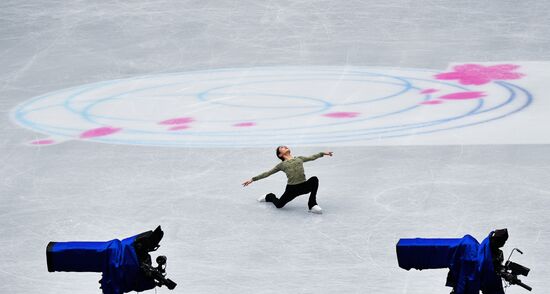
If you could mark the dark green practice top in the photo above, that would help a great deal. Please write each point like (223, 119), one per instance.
(293, 168)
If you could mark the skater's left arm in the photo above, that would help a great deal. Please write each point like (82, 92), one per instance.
(315, 156)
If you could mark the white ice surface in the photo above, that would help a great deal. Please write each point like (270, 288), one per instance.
(218, 238)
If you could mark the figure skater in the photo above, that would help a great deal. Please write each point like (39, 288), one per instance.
(297, 185)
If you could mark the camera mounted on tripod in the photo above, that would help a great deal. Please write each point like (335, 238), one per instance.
(473, 267)
(125, 264)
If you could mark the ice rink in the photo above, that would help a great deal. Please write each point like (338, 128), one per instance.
(120, 116)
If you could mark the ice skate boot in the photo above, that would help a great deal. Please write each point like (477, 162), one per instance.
(316, 209)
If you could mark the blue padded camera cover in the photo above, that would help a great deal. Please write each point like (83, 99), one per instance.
(470, 263)
(115, 259)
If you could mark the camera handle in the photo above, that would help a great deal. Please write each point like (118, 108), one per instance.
(515, 249)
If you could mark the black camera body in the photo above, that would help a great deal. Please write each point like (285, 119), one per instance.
(517, 269)
(125, 265)
(473, 267)
(509, 270)
(145, 243)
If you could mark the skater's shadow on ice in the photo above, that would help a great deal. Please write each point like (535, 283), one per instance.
(287, 210)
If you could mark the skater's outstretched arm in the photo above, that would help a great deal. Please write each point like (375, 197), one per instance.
(262, 175)
(315, 156)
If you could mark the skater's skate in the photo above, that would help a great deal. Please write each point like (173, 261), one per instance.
(316, 209)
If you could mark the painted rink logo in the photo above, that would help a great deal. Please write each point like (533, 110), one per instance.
(269, 106)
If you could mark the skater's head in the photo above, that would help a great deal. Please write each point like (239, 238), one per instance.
(281, 151)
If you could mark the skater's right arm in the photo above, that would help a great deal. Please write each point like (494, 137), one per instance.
(263, 175)
(267, 173)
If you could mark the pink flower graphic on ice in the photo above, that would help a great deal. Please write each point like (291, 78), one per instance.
(180, 127)
(431, 102)
(99, 132)
(177, 121)
(429, 91)
(463, 95)
(476, 74)
(43, 142)
(341, 114)
(245, 124)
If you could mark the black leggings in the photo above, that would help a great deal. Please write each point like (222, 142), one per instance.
(293, 191)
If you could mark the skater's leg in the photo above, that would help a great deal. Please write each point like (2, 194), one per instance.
(289, 194)
(271, 198)
(293, 191)
(313, 185)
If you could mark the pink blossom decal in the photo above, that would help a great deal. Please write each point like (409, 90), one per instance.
(245, 124)
(43, 142)
(429, 91)
(431, 102)
(341, 114)
(99, 132)
(177, 121)
(476, 74)
(463, 95)
(178, 128)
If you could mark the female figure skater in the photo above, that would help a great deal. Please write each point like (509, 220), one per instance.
(297, 185)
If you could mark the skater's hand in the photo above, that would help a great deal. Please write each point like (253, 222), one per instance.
(329, 153)
(247, 182)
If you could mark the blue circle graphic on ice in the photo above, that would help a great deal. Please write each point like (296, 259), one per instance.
(268, 106)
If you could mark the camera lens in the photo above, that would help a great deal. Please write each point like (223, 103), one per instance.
(161, 260)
